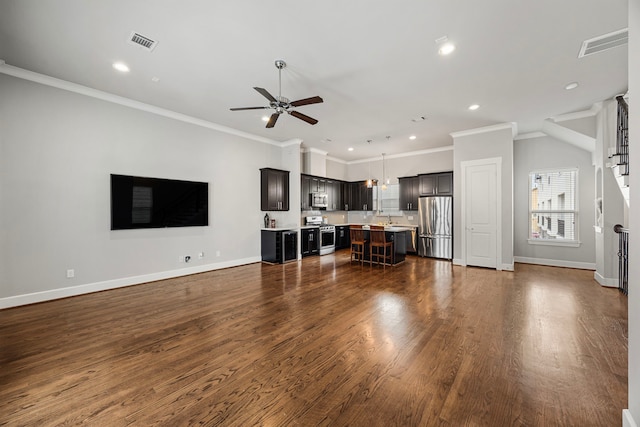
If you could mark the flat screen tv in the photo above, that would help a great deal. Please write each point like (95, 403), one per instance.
(139, 202)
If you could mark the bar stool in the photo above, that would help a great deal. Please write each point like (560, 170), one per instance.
(357, 243)
(377, 241)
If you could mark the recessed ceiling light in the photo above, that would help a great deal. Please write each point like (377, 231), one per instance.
(412, 137)
(446, 49)
(418, 119)
(265, 118)
(350, 148)
(155, 79)
(473, 107)
(571, 85)
(121, 66)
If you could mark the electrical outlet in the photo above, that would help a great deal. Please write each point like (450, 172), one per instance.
(410, 218)
(201, 255)
(217, 253)
(71, 273)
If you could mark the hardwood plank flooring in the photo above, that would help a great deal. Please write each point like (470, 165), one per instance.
(323, 342)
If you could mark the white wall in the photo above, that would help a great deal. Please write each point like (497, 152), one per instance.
(550, 153)
(634, 215)
(57, 151)
(485, 143)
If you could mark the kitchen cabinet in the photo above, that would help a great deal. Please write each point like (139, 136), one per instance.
(318, 185)
(343, 239)
(346, 196)
(334, 192)
(310, 241)
(440, 184)
(362, 196)
(274, 190)
(305, 192)
(409, 193)
(279, 246)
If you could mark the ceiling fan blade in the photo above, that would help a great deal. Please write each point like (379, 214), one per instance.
(249, 108)
(307, 101)
(266, 94)
(272, 120)
(303, 117)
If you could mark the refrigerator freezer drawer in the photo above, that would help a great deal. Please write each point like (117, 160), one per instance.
(436, 246)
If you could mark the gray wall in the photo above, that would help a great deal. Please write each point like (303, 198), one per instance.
(634, 217)
(403, 165)
(485, 143)
(550, 153)
(337, 169)
(57, 151)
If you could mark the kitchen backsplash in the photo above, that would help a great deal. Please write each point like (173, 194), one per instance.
(362, 217)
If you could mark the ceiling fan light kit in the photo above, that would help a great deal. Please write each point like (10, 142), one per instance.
(280, 104)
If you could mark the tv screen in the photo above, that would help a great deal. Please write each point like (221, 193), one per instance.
(139, 202)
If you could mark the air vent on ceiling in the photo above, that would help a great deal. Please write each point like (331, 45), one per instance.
(604, 42)
(139, 40)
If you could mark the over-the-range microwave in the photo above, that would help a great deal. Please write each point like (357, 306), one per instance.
(319, 200)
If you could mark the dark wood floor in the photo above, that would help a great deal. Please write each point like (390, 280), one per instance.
(324, 342)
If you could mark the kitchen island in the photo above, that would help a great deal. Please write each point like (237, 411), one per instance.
(398, 236)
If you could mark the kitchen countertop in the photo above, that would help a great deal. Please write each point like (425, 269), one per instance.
(280, 229)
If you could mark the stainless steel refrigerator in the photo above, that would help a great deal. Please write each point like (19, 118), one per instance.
(436, 227)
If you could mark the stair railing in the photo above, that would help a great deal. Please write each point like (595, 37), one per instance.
(622, 138)
(623, 258)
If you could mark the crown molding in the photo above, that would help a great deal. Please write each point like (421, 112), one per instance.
(530, 135)
(120, 100)
(591, 112)
(493, 128)
(290, 142)
(400, 155)
(337, 160)
(314, 150)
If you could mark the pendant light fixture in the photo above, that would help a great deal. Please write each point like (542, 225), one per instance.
(371, 182)
(385, 181)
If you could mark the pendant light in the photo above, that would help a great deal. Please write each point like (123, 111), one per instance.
(385, 180)
(370, 182)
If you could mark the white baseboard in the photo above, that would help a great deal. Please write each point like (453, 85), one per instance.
(32, 298)
(609, 282)
(556, 263)
(507, 267)
(627, 419)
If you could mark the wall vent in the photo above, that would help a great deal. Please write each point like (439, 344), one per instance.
(144, 42)
(604, 42)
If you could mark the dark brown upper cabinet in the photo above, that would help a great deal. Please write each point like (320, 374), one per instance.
(274, 189)
(436, 184)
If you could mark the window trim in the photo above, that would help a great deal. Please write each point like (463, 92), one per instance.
(576, 212)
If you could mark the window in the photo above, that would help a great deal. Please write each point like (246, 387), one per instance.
(553, 207)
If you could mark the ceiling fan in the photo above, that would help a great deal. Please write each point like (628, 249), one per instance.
(281, 104)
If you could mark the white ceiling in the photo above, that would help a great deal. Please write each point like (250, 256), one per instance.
(374, 62)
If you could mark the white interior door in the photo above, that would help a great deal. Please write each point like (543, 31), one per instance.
(481, 213)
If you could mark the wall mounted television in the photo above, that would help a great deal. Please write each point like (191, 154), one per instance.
(140, 202)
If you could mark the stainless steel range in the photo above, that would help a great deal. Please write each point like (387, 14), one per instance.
(327, 234)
